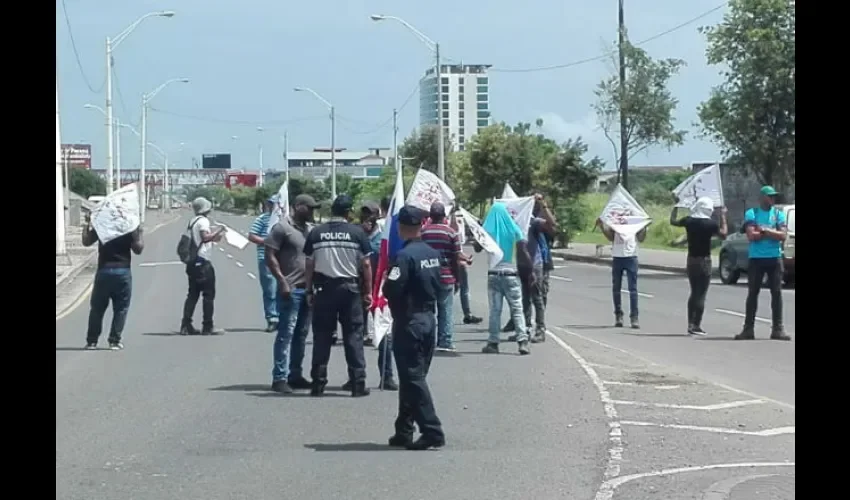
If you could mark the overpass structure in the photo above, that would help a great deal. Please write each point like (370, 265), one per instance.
(177, 178)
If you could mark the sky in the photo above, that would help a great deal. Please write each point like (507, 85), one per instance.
(243, 59)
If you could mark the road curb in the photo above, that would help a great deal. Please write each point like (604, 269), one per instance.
(592, 259)
(75, 271)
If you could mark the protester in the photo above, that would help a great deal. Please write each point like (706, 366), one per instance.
(766, 229)
(441, 237)
(503, 280)
(459, 225)
(286, 263)
(624, 260)
(413, 288)
(268, 284)
(534, 292)
(369, 215)
(700, 228)
(200, 270)
(339, 273)
(113, 282)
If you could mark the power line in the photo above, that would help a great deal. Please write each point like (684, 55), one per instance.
(389, 121)
(77, 54)
(121, 98)
(609, 53)
(211, 119)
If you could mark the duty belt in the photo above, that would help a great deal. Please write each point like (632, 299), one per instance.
(502, 273)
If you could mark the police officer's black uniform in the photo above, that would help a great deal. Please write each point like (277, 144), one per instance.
(338, 250)
(412, 289)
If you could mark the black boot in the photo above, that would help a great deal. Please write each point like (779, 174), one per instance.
(360, 390)
(318, 388)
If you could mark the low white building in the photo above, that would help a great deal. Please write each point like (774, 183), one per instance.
(317, 163)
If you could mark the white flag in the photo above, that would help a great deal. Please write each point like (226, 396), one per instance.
(509, 192)
(281, 209)
(706, 182)
(428, 188)
(480, 235)
(623, 213)
(117, 214)
(520, 210)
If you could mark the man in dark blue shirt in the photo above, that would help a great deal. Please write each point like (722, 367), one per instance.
(413, 288)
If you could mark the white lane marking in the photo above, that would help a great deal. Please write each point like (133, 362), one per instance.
(640, 294)
(558, 267)
(561, 278)
(778, 431)
(741, 315)
(653, 363)
(615, 447)
(598, 365)
(229, 256)
(220, 249)
(239, 264)
(251, 275)
(718, 406)
(659, 387)
(619, 481)
(168, 263)
(721, 489)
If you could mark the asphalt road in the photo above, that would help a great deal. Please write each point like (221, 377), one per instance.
(595, 412)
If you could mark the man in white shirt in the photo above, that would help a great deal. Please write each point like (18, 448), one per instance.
(200, 272)
(624, 259)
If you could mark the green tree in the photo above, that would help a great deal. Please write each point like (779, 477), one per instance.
(85, 183)
(646, 104)
(244, 197)
(345, 184)
(752, 114)
(420, 148)
(219, 196)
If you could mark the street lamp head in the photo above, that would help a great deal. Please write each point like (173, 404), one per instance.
(184, 80)
(166, 13)
(377, 17)
(260, 129)
(298, 89)
(89, 106)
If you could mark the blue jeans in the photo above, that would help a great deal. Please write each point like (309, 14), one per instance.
(508, 287)
(291, 336)
(629, 265)
(268, 284)
(464, 291)
(110, 284)
(445, 319)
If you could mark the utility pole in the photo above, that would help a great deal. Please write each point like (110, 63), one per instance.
(286, 155)
(60, 202)
(441, 148)
(66, 161)
(143, 195)
(624, 140)
(396, 164)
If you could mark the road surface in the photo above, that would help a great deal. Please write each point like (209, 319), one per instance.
(595, 412)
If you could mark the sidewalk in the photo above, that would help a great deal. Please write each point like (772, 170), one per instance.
(659, 260)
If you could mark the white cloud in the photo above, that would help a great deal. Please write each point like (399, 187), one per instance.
(586, 127)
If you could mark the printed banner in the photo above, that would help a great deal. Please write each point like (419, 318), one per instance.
(480, 235)
(282, 205)
(509, 192)
(706, 182)
(623, 213)
(520, 210)
(428, 188)
(117, 214)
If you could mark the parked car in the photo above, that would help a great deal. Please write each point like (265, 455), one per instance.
(734, 252)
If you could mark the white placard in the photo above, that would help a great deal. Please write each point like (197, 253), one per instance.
(520, 210)
(117, 214)
(282, 205)
(706, 182)
(428, 188)
(623, 213)
(509, 192)
(480, 235)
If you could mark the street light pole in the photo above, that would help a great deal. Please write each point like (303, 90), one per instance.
(118, 154)
(286, 155)
(333, 133)
(60, 202)
(260, 148)
(112, 44)
(396, 164)
(624, 140)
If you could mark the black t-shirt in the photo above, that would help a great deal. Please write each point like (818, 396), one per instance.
(700, 232)
(116, 253)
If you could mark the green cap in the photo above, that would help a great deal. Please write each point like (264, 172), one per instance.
(768, 191)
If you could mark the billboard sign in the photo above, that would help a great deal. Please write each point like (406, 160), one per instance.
(218, 160)
(77, 155)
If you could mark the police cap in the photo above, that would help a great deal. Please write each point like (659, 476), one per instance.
(410, 216)
(342, 205)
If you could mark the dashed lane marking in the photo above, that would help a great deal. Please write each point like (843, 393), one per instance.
(718, 406)
(156, 264)
(640, 294)
(778, 431)
(239, 264)
(251, 275)
(741, 315)
(613, 484)
(229, 256)
(560, 278)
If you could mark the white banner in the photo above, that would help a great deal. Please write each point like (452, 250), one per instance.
(428, 188)
(706, 182)
(509, 192)
(117, 214)
(485, 240)
(520, 210)
(623, 213)
(282, 207)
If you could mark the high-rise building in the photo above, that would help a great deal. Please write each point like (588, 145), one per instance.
(465, 107)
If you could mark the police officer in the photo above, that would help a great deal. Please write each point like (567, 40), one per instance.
(412, 289)
(339, 274)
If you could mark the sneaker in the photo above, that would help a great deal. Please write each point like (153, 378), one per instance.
(779, 334)
(360, 390)
(388, 384)
(446, 348)
(746, 334)
(188, 330)
(91, 346)
(212, 331)
(635, 324)
(116, 346)
(524, 348)
(472, 320)
(539, 336)
(272, 327)
(399, 441)
(299, 383)
(424, 443)
(348, 386)
(490, 349)
(282, 387)
(618, 320)
(695, 330)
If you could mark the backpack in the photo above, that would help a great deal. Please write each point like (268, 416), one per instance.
(187, 249)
